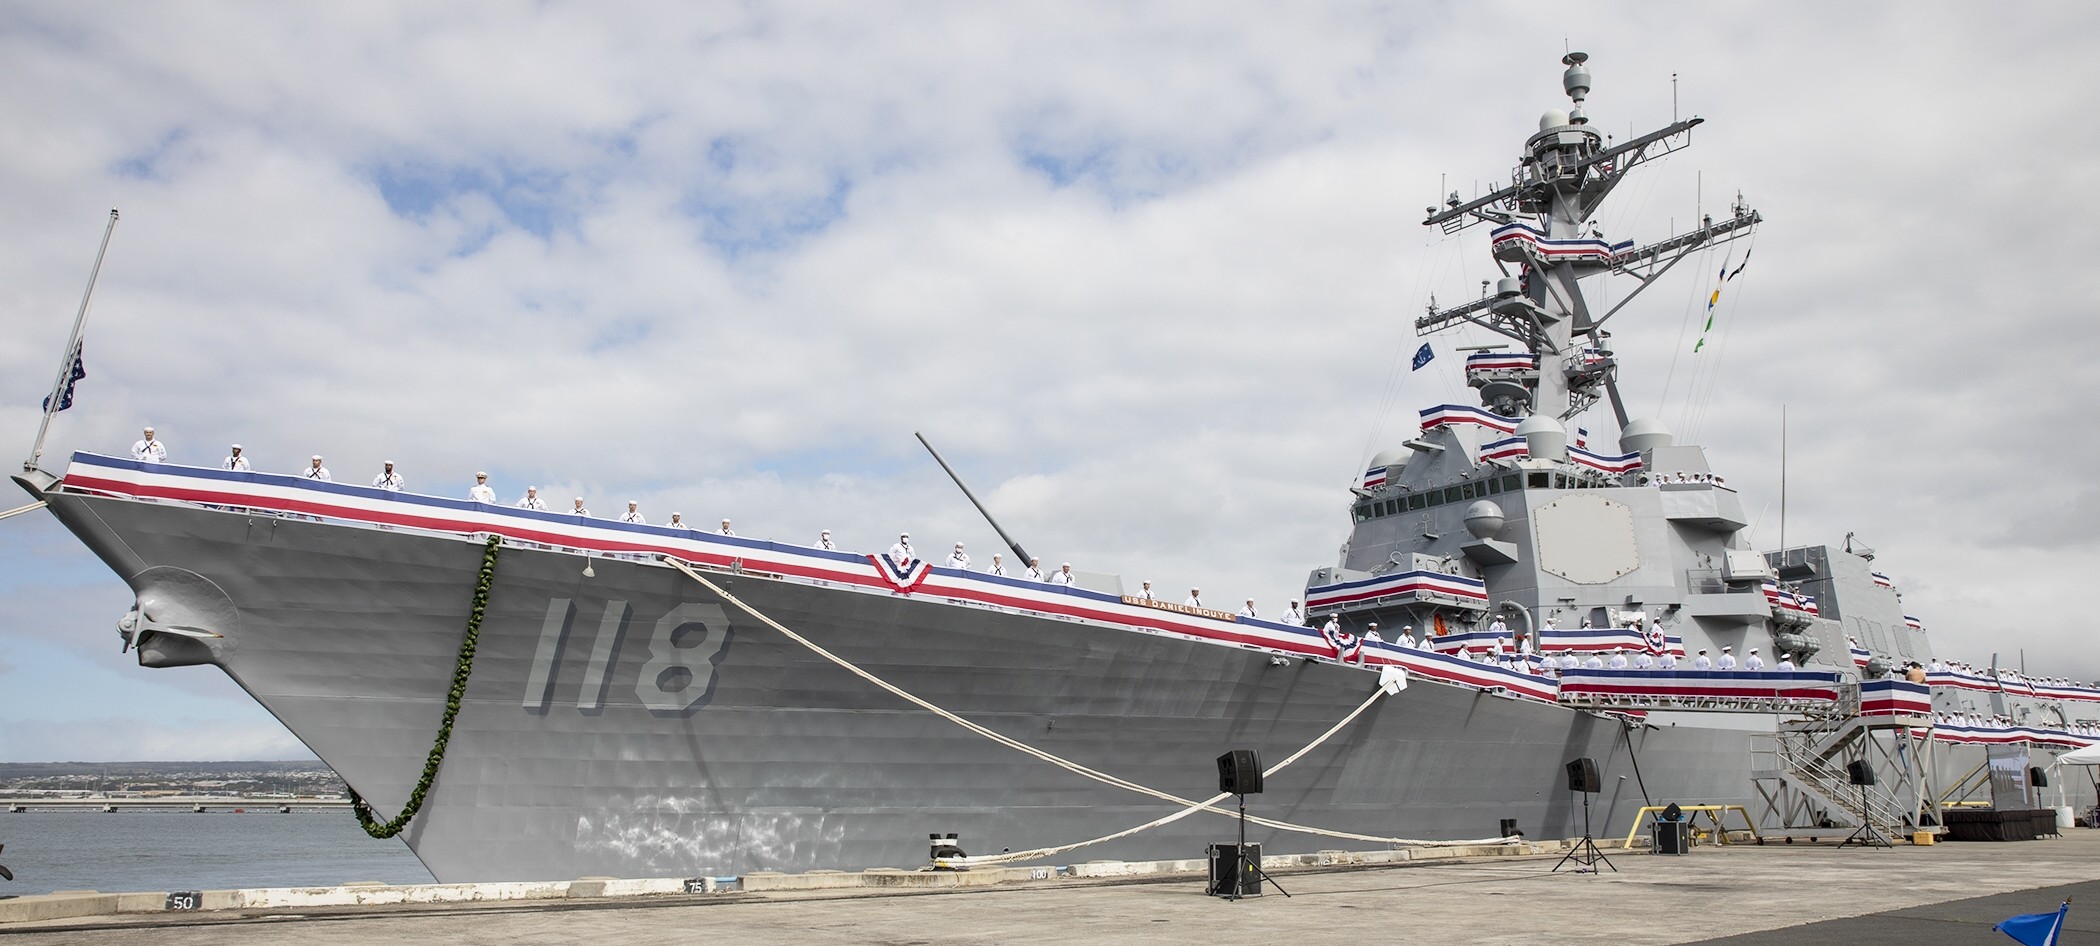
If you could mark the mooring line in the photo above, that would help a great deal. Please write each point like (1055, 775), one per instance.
(1068, 764)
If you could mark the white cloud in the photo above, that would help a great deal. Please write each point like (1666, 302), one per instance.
(1143, 273)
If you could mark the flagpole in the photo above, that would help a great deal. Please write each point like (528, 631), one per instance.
(72, 351)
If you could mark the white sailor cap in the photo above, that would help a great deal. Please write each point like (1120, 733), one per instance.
(236, 446)
(532, 489)
(1728, 648)
(386, 463)
(1702, 650)
(676, 514)
(1066, 565)
(825, 532)
(958, 545)
(633, 503)
(904, 535)
(317, 456)
(477, 474)
(1753, 650)
(1374, 623)
(149, 428)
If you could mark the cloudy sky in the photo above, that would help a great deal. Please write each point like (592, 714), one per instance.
(1146, 274)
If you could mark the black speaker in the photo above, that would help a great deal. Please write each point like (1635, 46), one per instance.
(2037, 778)
(1860, 772)
(1239, 772)
(1582, 776)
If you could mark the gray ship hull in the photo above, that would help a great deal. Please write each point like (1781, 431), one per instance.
(627, 723)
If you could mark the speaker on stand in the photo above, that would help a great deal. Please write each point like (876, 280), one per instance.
(1239, 773)
(1584, 780)
(1861, 774)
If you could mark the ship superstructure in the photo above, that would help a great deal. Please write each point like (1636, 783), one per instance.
(648, 701)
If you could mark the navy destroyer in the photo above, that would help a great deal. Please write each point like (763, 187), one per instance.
(538, 695)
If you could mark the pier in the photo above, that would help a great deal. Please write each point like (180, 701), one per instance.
(1735, 894)
(245, 804)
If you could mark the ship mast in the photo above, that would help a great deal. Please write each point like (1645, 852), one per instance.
(1544, 224)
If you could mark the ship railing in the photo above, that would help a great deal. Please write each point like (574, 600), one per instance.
(1695, 704)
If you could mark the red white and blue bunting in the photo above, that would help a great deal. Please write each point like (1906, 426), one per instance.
(1894, 698)
(1511, 242)
(1434, 587)
(1444, 415)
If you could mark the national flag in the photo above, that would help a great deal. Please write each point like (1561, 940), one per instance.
(1582, 436)
(65, 388)
(1423, 356)
(2035, 929)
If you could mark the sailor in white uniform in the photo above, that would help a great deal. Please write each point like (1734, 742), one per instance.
(532, 500)
(481, 491)
(1293, 616)
(1643, 661)
(1247, 610)
(958, 558)
(317, 472)
(1753, 662)
(579, 510)
(998, 568)
(388, 479)
(824, 541)
(1666, 661)
(1332, 629)
(1727, 659)
(900, 551)
(1408, 639)
(149, 450)
(678, 522)
(1145, 593)
(1035, 570)
(1594, 663)
(1196, 599)
(1499, 629)
(1702, 662)
(1571, 661)
(725, 528)
(1063, 575)
(1785, 663)
(633, 516)
(1618, 660)
(236, 462)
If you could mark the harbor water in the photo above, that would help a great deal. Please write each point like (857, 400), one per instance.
(183, 850)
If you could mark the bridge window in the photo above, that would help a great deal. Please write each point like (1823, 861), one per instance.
(1414, 502)
(1539, 480)
(1512, 482)
(1450, 494)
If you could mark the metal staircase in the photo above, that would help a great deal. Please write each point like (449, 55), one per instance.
(1803, 789)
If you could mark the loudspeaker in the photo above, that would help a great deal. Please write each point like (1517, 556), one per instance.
(2037, 778)
(1239, 772)
(1582, 776)
(1860, 772)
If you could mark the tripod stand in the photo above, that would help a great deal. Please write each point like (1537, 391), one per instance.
(1867, 835)
(1248, 865)
(1585, 853)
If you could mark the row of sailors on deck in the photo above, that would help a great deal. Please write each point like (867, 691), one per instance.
(1980, 721)
(2006, 674)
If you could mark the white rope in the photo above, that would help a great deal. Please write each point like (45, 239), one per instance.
(1185, 812)
(1058, 761)
(18, 510)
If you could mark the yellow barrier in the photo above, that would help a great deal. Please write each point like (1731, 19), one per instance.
(1692, 812)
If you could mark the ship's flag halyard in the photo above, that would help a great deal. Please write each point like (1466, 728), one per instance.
(1723, 278)
(1423, 356)
(2035, 929)
(65, 387)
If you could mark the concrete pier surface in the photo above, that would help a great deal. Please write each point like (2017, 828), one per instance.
(1739, 894)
